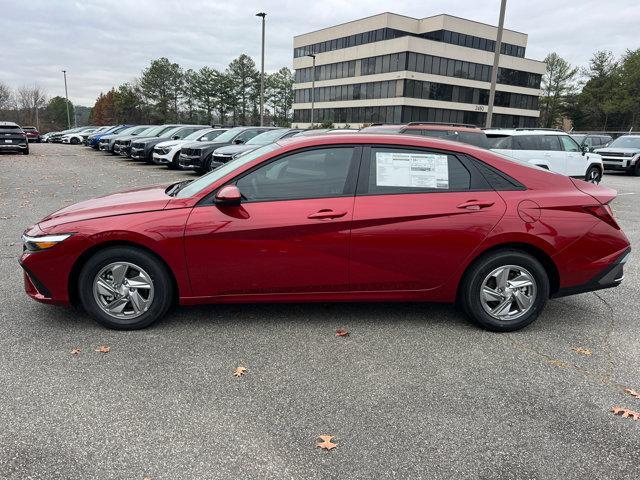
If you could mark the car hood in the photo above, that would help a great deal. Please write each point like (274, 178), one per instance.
(234, 149)
(172, 143)
(617, 150)
(132, 201)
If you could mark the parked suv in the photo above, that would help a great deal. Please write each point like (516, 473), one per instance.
(622, 154)
(33, 135)
(142, 149)
(197, 155)
(224, 154)
(552, 149)
(590, 142)
(167, 153)
(107, 142)
(12, 137)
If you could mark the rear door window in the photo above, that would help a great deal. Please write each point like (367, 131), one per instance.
(399, 170)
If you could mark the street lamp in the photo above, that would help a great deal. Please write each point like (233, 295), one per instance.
(66, 94)
(313, 85)
(263, 15)
(496, 60)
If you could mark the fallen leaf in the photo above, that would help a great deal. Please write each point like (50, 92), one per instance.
(582, 351)
(626, 413)
(341, 332)
(75, 351)
(238, 372)
(326, 442)
(633, 393)
(103, 349)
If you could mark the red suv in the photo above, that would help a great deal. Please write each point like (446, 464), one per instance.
(459, 132)
(335, 218)
(33, 135)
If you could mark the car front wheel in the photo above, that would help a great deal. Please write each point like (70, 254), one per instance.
(593, 175)
(125, 288)
(504, 291)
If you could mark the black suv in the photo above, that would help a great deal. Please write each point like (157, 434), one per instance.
(12, 137)
(589, 142)
(197, 155)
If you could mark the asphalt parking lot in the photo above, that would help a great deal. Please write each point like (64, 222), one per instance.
(414, 391)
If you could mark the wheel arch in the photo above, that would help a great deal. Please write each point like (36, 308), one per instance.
(536, 252)
(88, 253)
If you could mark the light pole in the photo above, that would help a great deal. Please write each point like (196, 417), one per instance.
(496, 60)
(313, 85)
(263, 15)
(66, 94)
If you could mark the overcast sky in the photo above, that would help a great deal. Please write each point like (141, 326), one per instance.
(102, 43)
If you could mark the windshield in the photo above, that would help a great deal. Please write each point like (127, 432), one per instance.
(197, 134)
(153, 131)
(267, 137)
(225, 169)
(625, 142)
(168, 131)
(229, 134)
(128, 130)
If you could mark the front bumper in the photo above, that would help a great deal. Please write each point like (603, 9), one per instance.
(618, 163)
(138, 153)
(190, 161)
(161, 158)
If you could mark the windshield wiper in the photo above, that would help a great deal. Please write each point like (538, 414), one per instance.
(176, 187)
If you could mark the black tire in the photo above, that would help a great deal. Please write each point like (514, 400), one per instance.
(26, 151)
(593, 175)
(471, 287)
(173, 164)
(74, 141)
(635, 170)
(162, 287)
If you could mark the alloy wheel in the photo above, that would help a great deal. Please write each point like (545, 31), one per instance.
(508, 292)
(123, 290)
(593, 176)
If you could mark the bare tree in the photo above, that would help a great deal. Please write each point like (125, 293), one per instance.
(30, 100)
(5, 96)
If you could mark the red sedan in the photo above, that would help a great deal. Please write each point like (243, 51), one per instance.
(335, 218)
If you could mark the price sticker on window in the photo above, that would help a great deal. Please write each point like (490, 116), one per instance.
(414, 170)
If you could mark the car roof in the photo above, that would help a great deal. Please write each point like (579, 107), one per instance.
(523, 131)
(443, 127)
(8, 124)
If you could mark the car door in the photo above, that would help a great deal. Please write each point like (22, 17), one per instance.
(289, 235)
(418, 214)
(576, 161)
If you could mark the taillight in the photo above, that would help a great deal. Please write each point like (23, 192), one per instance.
(604, 213)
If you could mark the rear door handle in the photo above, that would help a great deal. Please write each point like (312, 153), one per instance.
(326, 213)
(475, 204)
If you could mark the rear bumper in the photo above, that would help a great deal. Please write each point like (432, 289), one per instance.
(609, 277)
(14, 146)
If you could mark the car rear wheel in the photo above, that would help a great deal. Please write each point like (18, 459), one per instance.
(505, 290)
(74, 141)
(125, 288)
(26, 151)
(635, 170)
(593, 175)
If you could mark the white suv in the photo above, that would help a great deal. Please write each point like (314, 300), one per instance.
(550, 149)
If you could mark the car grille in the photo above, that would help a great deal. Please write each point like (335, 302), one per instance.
(612, 154)
(125, 143)
(192, 152)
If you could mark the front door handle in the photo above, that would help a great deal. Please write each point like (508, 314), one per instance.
(326, 213)
(475, 204)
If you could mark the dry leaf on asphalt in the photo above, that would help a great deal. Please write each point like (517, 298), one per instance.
(582, 351)
(633, 393)
(326, 442)
(626, 413)
(341, 332)
(75, 351)
(238, 372)
(103, 349)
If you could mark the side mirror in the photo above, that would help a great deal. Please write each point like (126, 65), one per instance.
(175, 137)
(238, 141)
(228, 196)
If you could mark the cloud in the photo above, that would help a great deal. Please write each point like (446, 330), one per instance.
(103, 43)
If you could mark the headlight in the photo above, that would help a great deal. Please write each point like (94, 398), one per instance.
(44, 242)
(629, 154)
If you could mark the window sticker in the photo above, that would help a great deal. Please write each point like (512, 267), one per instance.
(417, 170)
